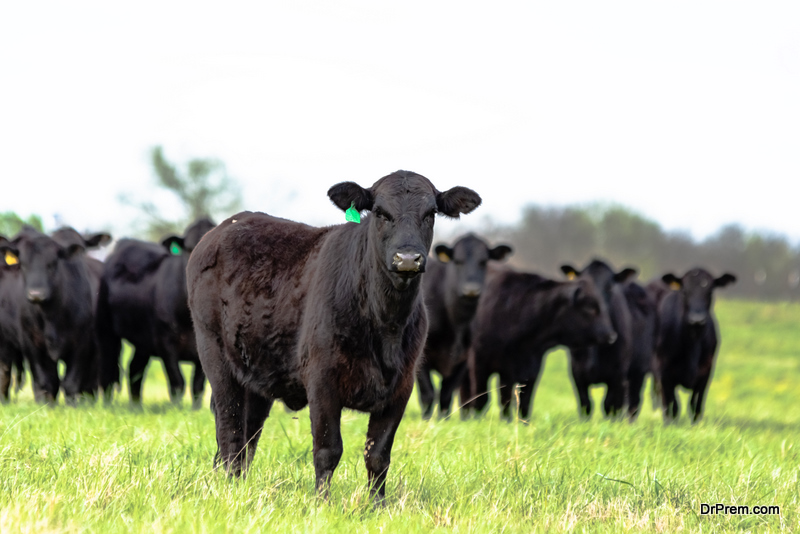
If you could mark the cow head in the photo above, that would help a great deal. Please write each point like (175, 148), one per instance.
(40, 258)
(400, 227)
(697, 287)
(603, 277)
(583, 315)
(467, 261)
(67, 236)
(191, 237)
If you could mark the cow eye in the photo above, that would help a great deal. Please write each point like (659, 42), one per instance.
(379, 213)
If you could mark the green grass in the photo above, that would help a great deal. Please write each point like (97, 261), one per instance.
(96, 469)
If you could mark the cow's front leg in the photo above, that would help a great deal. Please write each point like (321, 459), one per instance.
(378, 449)
(326, 412)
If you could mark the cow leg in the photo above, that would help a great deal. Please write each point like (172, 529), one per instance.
(614, 399)
(378, 449)
(109, 345)
(229, 416)
(479, 391)
(449, 385)
(326, 414)
(172, 367)
(635, 383)
(698, 394)
(198, 386)
(426, 392)
(584, 399)
(136, 369)
(529, 389)
(5, 381)
(506, 393)
(257, 410)
(45, 382)
(669, 401)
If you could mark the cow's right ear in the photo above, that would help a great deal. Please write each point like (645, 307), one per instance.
(500, 252)
(346, 194)
(174, 244)
(571, 272)
(444, 253)
(672, 281)
(97, 240)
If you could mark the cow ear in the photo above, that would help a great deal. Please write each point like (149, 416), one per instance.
(444, 253)
(624, 274)
(456, 201)
(174, 244)
(98, 240)
(9, 253)
(571, 272)
(724, 280)
(346, 194)
(500, 252)
(672, 281)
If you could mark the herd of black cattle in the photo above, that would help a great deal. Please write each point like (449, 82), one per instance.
(338, 317)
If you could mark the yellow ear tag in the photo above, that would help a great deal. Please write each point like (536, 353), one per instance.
(444, 258)
(571, 275)
(674, 286)
(11, 259)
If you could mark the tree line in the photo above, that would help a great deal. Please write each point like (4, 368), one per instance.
(767, 265)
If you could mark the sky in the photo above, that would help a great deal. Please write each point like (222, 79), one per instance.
(685, 112)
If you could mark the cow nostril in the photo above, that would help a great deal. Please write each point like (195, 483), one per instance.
(35, 295)
(612, 337)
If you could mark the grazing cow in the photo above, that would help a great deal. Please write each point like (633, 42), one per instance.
(143, 299)
(60, 283)
(451, 286)
(330, 317)
(686, 344)
(520, 317)
(11, 291)
(607, 364)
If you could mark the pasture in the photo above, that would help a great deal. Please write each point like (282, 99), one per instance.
(116, 469)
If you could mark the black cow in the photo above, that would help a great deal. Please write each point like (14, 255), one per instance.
(61, 284)
(329, 317)
(143, 299)
(11, 295)
(452, 286)
(607, 364)
(686, 344)
(520, 317)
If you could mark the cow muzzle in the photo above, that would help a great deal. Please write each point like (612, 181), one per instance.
(696, 319)
(37, 296)
(407, 262)
(471, 290)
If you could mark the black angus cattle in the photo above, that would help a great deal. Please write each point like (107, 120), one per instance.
(330, 317)
(520, 317)
(686, 344)
(623, 364)
(11, 294)
(452, 284)
(60, 282)
(143, 299)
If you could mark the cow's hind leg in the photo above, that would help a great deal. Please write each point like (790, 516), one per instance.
(426, 392)
(136, 369)
(449, 385)
(584, 399)
(5, 381)
(198, 386)
(614, 401)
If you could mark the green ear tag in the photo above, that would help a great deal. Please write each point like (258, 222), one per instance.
(352, 214)
(175, 248)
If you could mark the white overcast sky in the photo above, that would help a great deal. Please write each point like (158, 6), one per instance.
(687, 112)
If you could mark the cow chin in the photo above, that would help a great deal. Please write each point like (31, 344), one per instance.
(401, 280)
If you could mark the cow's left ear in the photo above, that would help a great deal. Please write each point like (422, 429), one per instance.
(97, 240)
(456, 201)
(624, 274)
(444, 253)
(346, 194)
(174, 244)
(500, 252)
(724, 280)
(571, 272)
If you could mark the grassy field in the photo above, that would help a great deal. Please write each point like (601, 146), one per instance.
(114, 469)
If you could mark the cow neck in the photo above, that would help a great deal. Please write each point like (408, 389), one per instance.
(72, 274)
(543, 314)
